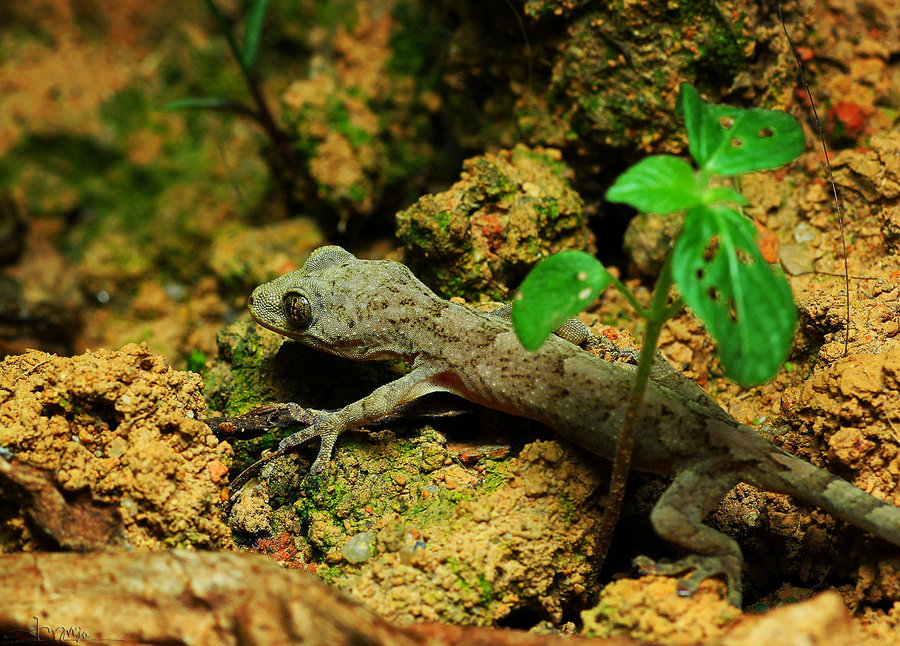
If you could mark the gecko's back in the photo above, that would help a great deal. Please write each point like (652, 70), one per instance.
(580, 395)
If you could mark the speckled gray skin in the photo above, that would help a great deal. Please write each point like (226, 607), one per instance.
(377, 309)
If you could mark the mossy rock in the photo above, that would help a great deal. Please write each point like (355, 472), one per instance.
(478, 239)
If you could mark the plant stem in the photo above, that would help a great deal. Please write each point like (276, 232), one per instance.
(641, 311)
(268, 123)
(657, 315)
(225, 25)
(292, 171)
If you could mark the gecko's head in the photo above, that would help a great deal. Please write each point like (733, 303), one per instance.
(337, 303)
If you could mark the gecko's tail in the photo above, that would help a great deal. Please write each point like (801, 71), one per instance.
(833, 494)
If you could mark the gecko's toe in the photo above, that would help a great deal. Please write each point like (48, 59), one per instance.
(328, 437)
(700, 568)
(317, 467)
(325, 450)
(290, 442)
(298, 438)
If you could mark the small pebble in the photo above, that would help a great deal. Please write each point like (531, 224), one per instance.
(358, 548)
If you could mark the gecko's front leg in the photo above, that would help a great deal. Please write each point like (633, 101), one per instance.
(383, 401)
(328, 425)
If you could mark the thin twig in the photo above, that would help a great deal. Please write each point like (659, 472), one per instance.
(837, 200)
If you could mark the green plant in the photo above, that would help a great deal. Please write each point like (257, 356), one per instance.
(245, 54)
(720, 273)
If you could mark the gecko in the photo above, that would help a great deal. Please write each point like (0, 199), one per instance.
(377, 309)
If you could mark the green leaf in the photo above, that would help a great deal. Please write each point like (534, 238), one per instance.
(755, 140)
(693, 108)
(659, 184)
(725, 140)
(558, 288)
(723, 195)
(200, 103)
(253, 27)
(745, 304)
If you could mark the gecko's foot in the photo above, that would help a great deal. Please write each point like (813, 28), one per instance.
(262, 419)
(700, 568)
(328, 435)
(285, 446)
(258, 421)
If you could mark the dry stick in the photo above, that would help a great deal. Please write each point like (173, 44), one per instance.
(834, 190)
(658, 315)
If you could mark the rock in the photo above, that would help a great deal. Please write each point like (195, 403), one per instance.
(507, 211)
(823, 621)
(359, 548)
(108, 444)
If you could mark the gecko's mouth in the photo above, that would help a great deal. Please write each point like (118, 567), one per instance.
(257, 317)
(263, 323)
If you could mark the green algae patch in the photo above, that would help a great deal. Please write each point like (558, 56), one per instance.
(619, 69)
(235, 382)
(508, 210)
(500, 549)
(650, 609)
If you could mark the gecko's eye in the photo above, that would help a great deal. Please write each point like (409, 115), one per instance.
(297, 310)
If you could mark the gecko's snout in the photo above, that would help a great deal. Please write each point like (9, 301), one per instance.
(255, 299)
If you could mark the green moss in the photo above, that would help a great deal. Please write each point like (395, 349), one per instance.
(196, 361)
(494, 475)
(335, 571)
(245, 388)
(385, 157)
(620, 318)
(621, 67)
(549, 210)
(486, 590)
(200, 71)
(452, 283)
(478, 583)
(326, 493)
(144, 213)
(415, 44)
(541, 8)
(431, 228)
(454, 566)
(358, 192)
(723, 48)
(339, 120)
(570, 509)
(537, 156)
(490, 179)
